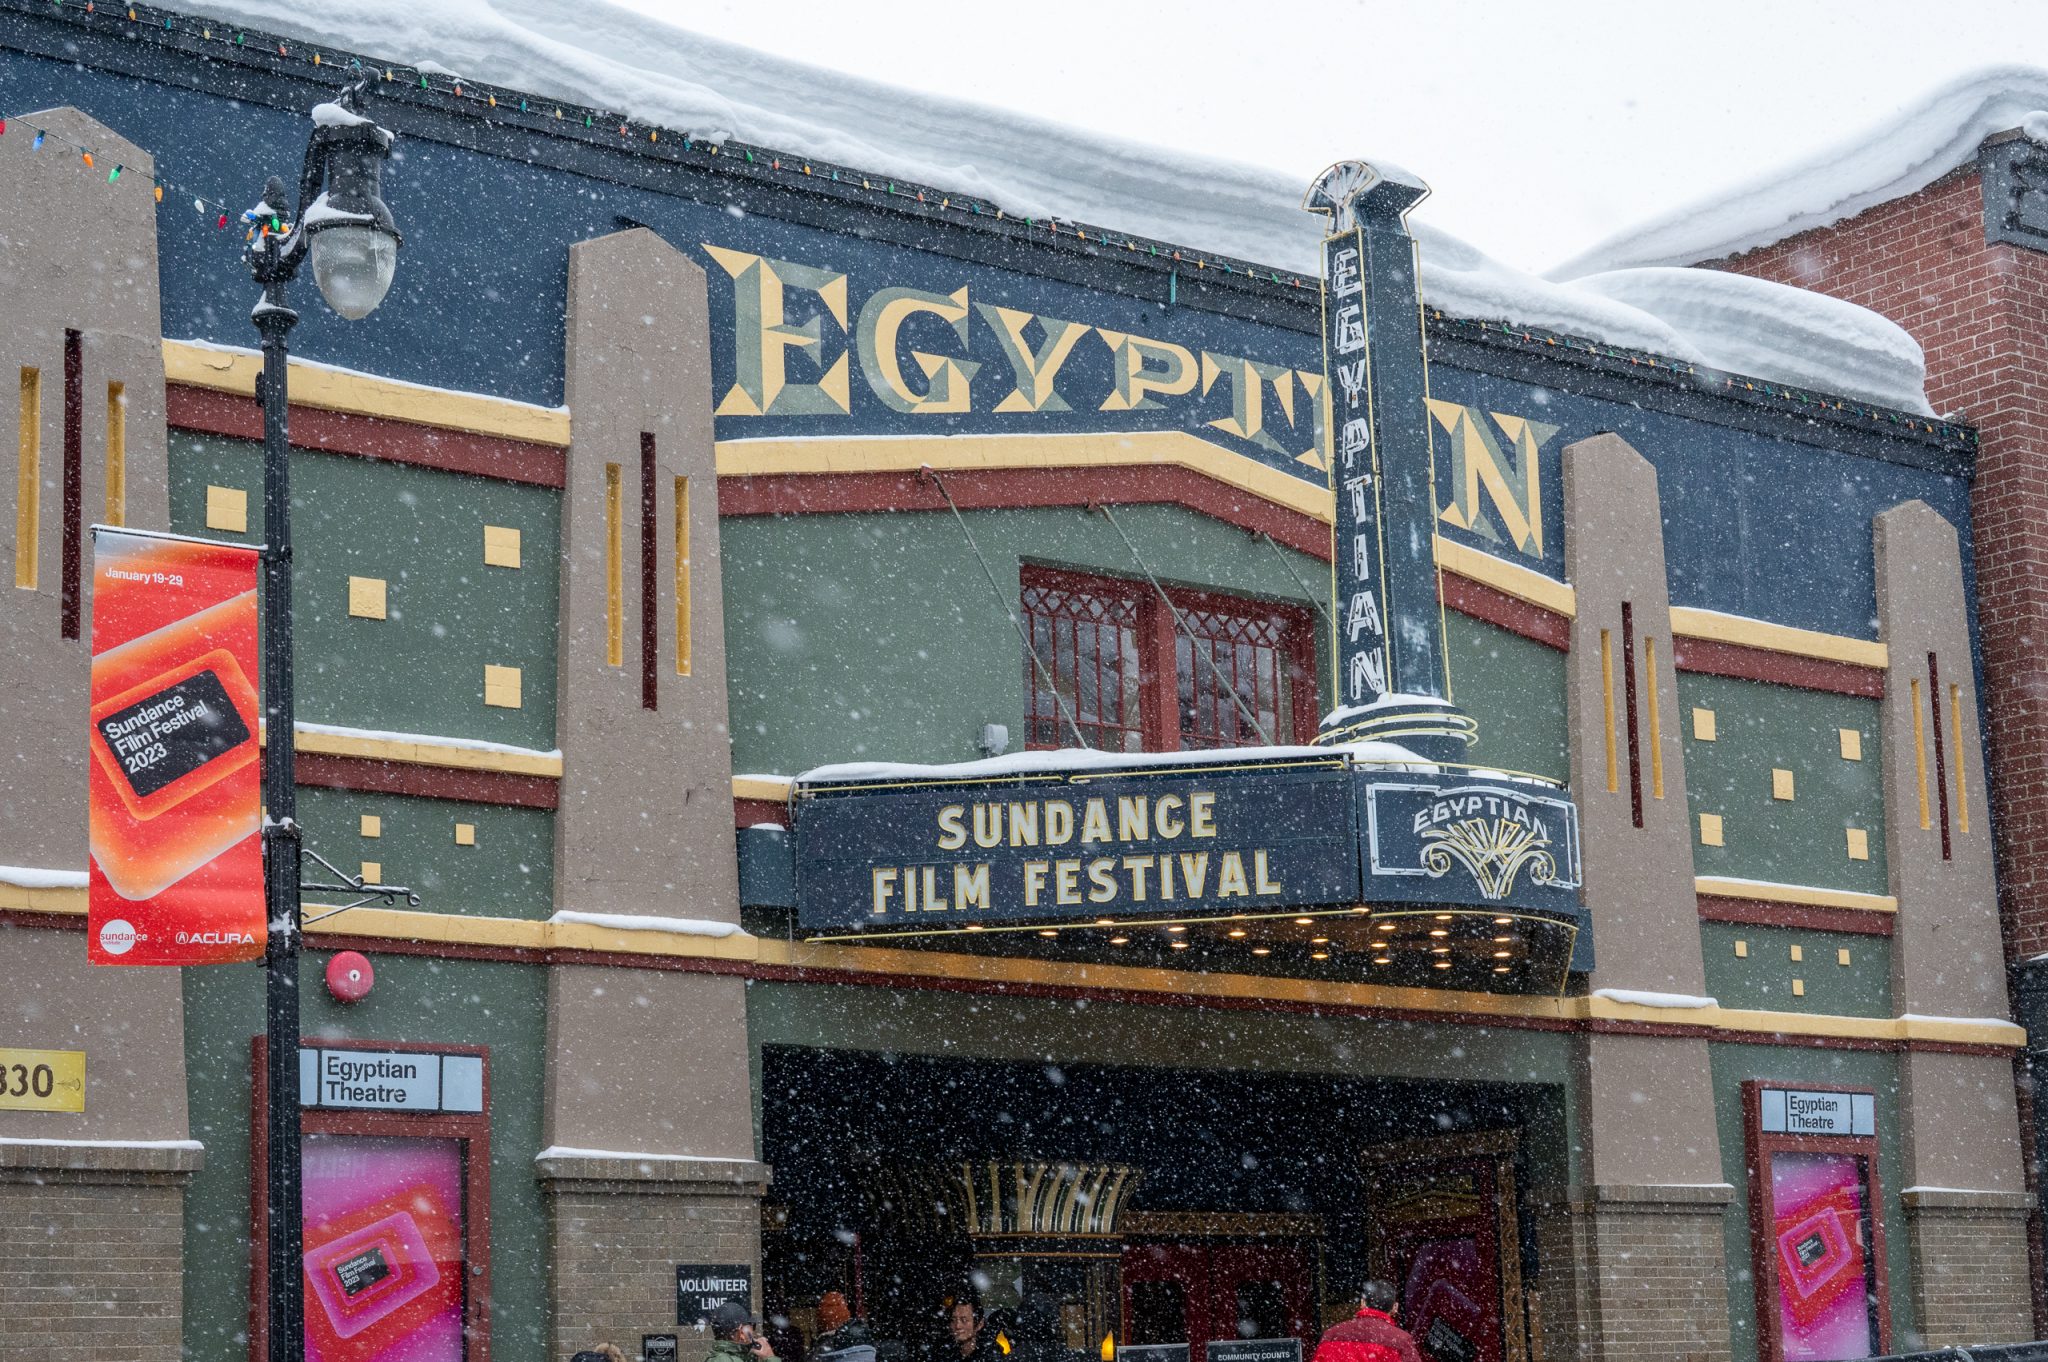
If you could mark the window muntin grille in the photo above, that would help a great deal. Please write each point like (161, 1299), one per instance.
(1087, 639)
(1242, 651)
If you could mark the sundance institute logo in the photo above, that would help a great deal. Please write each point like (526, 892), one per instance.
(118, 936)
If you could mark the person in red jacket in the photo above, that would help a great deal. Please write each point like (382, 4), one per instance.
(1371, 1335)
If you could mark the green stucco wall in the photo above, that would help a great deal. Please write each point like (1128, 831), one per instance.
(877, 638)
(1759, 728)
(1514, 688)
(1762, 976)
(508, 871)
(452, 1002)
(420, 669)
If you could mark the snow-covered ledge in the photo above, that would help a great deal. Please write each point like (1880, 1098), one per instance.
(700, 1173)
(1966, 1201)
(83, 1159)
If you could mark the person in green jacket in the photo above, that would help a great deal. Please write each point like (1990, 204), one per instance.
(735, 1337)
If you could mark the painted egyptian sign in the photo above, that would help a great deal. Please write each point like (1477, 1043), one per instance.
(1488, 837)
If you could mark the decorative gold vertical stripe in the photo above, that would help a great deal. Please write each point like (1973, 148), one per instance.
(682, 576)
(614, 567)
(1607, 707)
(28, 485)
(117, 454)
(1920, 753)
(1955, 727)
(1650, 696)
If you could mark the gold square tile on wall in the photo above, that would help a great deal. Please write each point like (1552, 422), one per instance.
(372, 872)
(1842, 956)
(1852, 743)
(227, 508)
(501, 686)
(1710, 829)
(1798, 953)
(465, 834)
(1741, 950)
(372, 825)
(1702, 724)
(1799, 988)
(1859, 844)
(366, 597)
(501, 546)
(1781, 783)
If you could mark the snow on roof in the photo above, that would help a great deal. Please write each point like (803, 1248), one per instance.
(1900, 156)
(596, 54)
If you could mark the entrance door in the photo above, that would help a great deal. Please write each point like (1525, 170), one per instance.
(1193, 1293)
(1444, 1232)
(1166, 1296)
(1259, 1291)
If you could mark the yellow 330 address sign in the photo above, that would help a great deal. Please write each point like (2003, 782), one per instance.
(42, 1080)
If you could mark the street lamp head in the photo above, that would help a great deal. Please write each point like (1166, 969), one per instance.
(348, 227)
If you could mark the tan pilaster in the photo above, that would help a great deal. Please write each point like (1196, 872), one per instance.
(81, 258)
(1649, 1192)
(648, 1125)
(1965, 1190)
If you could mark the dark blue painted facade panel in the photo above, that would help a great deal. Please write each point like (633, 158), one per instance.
(1771, 522)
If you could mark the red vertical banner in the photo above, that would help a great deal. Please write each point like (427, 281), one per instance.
(175, 798)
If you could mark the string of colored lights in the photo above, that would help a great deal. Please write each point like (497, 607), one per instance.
(513, 107)
(92, 158)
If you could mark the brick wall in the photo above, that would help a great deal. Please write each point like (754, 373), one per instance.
(1969, 1275)
(616, 1246)
(89, 1266)
(1633, 1276)
(1980, 312)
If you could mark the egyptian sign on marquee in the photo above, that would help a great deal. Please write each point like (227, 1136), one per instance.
(1507, 843)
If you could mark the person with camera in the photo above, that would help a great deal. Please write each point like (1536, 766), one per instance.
(736, 1336)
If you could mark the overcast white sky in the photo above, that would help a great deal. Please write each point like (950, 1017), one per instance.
(1541, 127)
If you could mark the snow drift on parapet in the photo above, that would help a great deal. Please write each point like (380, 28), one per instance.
(596, 54)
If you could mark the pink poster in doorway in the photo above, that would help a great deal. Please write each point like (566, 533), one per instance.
(383, 1249)
(1819, 1233)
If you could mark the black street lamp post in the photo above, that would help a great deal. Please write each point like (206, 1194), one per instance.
(343, 224)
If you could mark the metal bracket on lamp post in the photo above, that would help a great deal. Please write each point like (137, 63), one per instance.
(352, 884)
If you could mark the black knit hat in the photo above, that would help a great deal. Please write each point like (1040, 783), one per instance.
(728, 1318)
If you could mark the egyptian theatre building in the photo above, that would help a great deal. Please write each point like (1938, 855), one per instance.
(1136, 762)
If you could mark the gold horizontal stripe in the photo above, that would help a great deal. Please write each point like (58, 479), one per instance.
(971, 453)
(771, 789)
(1510, 579)
(426, 751)
(1746, 1021)
(401, 924)
(68, 901)
(1712, 626)
(1801, 895)
(228, 371)
(393, 924)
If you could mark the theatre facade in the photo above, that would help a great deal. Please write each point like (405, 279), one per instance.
(951, 753)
